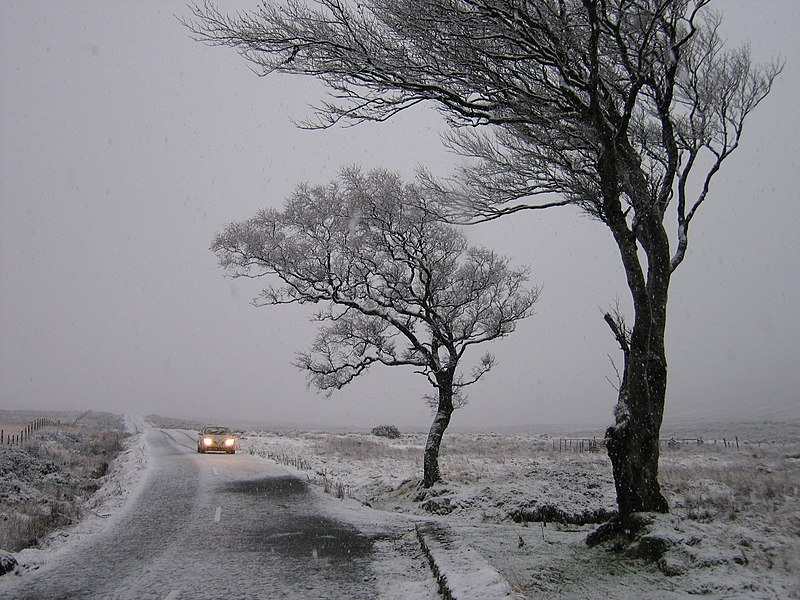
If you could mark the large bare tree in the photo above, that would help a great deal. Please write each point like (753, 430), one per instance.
(400, 287)
(625, 108)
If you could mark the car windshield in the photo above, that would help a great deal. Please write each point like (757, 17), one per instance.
(217, 430)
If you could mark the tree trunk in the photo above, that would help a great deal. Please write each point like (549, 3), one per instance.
(444, 411)
(633, 441)
(632, 445)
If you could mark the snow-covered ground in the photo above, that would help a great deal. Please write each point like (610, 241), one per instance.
(734, 531)
(120, 484)
(526, 508)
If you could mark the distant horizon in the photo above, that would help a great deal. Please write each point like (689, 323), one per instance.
(786, 414)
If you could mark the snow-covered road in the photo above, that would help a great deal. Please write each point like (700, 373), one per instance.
(231, 526)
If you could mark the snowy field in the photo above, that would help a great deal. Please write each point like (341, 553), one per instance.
(527, 507)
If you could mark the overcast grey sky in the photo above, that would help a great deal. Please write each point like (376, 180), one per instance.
(124, 146)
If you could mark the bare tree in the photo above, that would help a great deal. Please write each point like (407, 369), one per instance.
(624, 108)
(401, 288)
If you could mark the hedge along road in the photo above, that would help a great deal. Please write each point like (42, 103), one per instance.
(230, 526)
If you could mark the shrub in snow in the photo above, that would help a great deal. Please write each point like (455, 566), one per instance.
(7, 562)
(388, 431)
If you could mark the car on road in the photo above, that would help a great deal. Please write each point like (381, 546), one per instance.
(216, 439)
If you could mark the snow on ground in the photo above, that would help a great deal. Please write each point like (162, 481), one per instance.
(526, 508)
(734, 531)
(120, 484)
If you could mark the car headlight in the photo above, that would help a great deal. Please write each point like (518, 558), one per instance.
(230, 442)
(208, 441)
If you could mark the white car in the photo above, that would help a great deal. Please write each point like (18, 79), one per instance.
(216, 439)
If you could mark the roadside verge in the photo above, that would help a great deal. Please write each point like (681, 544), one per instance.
(462, 573)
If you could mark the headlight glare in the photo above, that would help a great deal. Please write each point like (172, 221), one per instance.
(208, 441)
(230, 442)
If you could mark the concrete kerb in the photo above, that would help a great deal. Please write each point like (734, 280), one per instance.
(462, 573)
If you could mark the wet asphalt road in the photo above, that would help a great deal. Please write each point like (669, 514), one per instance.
(213, 526)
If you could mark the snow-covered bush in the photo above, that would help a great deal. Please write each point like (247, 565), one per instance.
(389, 431)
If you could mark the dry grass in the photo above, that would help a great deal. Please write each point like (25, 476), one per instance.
(28, 522)
(44, 484)
(12, 426)
(498, 448)
(706, 483)
(464, 458)
(357, 447)
(456, 448)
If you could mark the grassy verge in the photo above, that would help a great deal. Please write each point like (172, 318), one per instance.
(45, 483)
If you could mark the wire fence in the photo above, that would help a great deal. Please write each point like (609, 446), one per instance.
(578, 444)
(25, 434)
(594, 444)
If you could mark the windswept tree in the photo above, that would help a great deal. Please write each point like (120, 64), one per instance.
(400, 287)
(624, 108)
